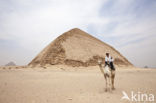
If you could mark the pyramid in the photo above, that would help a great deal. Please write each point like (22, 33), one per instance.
(10, 64)
(77, 48)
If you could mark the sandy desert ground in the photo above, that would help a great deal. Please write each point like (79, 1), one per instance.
(62, 84)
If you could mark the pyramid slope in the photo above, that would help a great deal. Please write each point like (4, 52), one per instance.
(76, 48)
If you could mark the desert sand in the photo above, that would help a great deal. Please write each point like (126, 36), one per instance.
(64, 84)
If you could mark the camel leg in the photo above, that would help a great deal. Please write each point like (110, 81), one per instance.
(106, 84)
(110, 84)
(112, 79)
(113, 88)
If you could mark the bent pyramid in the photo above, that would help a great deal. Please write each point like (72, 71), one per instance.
(76, 48)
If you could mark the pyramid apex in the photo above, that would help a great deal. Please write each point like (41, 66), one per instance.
(77, 31)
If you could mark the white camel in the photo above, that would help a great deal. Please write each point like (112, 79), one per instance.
(108, 74)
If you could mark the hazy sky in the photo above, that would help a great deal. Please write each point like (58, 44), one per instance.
(27, 26)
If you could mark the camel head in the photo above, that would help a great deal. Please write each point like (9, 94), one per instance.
(99, 61)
